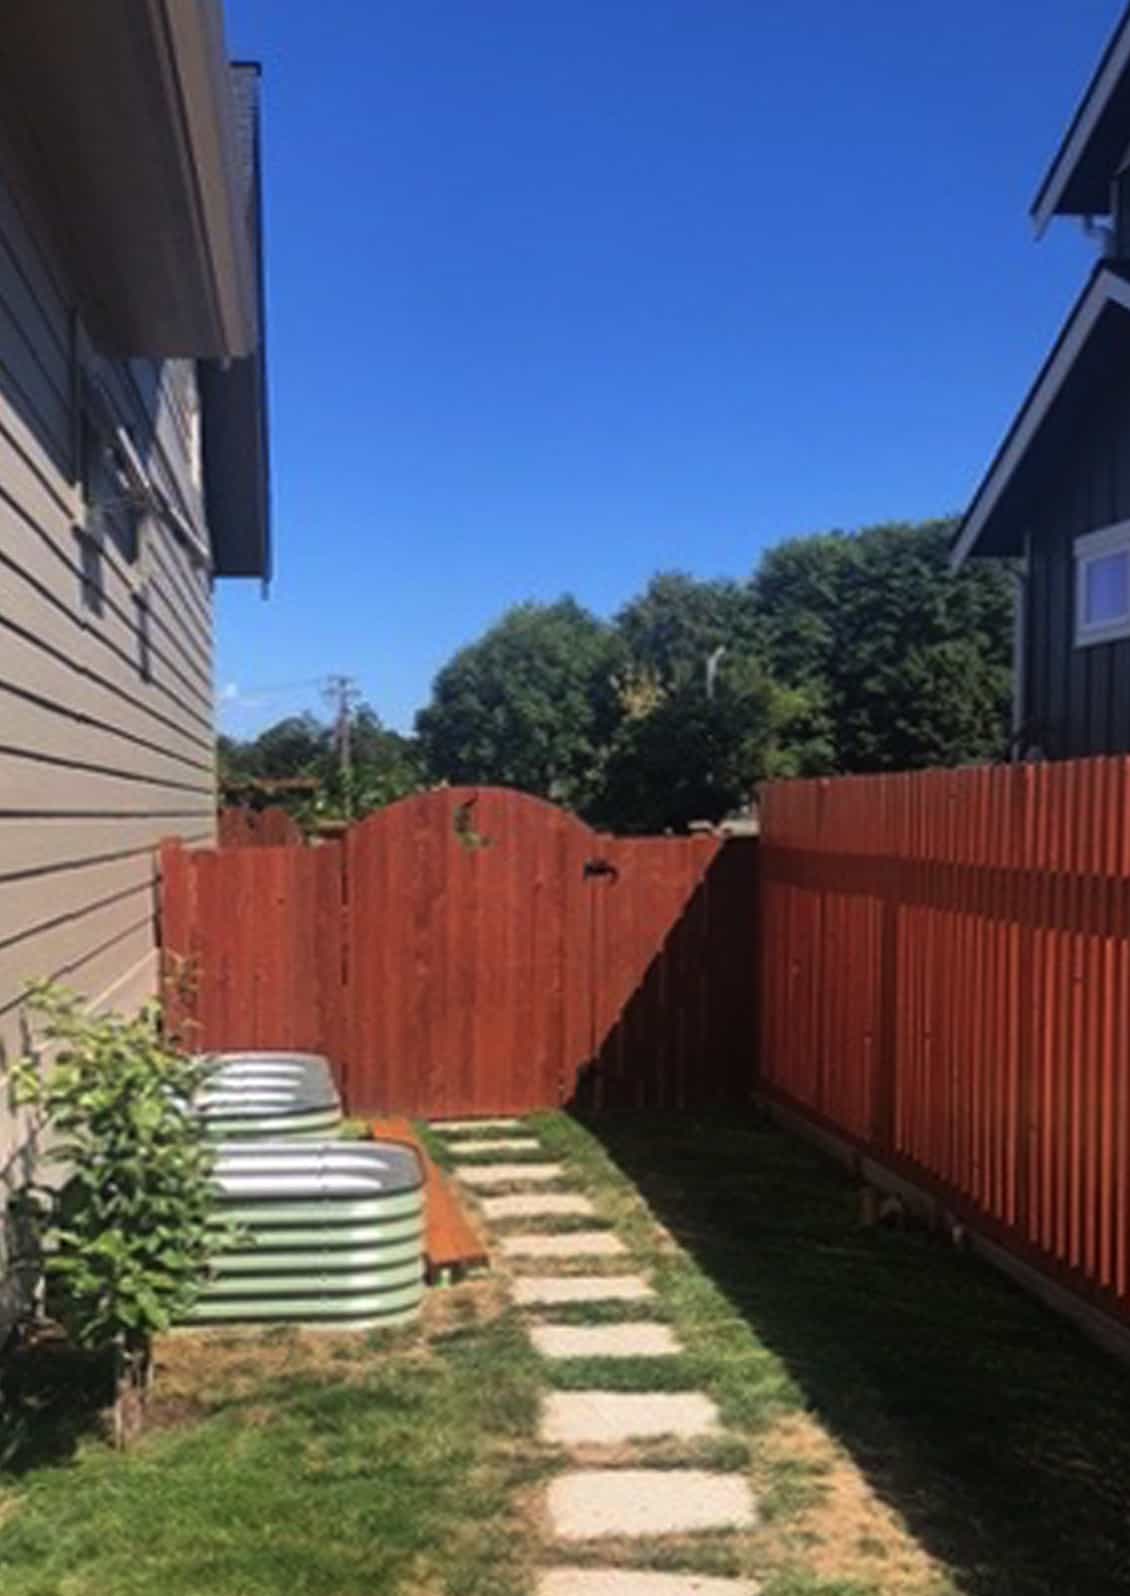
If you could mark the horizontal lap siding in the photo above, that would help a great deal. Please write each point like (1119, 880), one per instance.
(106, 731)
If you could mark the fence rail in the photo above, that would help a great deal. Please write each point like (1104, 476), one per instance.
(946, 982)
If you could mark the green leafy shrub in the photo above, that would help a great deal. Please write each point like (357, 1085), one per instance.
(126, 1236)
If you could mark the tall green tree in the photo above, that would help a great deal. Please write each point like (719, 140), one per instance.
(681, 754)
(906, 664)
(677, 624)
(532, 704)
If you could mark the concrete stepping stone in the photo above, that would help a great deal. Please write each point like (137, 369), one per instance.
(607, 1418)
(565, 1244)
(466, 1127)
(622, 1582)
(539, 1205)
(590, 1503)
(535, 1291)
(487, 1175)
(500, 1144)
(604, 1340)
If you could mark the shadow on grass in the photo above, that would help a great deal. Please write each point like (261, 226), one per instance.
(995, 1430)
(51, 1396)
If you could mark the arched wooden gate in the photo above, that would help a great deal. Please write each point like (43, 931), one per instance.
(476, 951)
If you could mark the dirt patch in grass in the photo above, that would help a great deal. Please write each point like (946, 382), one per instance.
(822, 1512)
(197, 1372)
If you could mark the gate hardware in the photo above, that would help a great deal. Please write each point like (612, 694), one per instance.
(600, 867)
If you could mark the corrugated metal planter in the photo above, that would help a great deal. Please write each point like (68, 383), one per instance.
(334, 1235)
(273, 1095)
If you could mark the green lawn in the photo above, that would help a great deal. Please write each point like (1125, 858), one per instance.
(340, 1466)
(912, 1425)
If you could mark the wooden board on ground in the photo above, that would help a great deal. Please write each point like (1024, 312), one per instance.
(453, 1245)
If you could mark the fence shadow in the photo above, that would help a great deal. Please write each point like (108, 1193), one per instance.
(992, 1428)
(679, 1029)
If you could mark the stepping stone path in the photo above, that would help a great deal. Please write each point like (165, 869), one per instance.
(590, 1504)
(604, 1340)
(539, 1205)
(618, 1582)
(472, 1127)
(550, 1291)
(486, 1175)
(499, 1144)
(564, 1244)
(609, 1418)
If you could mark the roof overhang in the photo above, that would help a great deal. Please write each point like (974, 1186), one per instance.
(234, 392)
(1096, 144)
(1094, 347)
(121, 112)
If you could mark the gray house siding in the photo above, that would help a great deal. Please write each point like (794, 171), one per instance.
(106, 701)
(1076, 701)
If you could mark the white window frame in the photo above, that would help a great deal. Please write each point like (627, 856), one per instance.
(1089, 548)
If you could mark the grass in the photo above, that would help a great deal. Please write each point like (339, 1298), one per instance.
(319, 1465)
(911, 1424)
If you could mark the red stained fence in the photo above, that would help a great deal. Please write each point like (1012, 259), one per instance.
(946, 981)
(478, 951)
(258, 828)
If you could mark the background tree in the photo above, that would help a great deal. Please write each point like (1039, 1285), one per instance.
(531, 705)
(679, 755)
(385, 764)
(905, 664)
(677, 623)
(844, 652)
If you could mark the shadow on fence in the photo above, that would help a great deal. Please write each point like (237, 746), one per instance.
(995, 1431)
(679, 1030)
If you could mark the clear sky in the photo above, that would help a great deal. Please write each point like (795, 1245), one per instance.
(565, 291)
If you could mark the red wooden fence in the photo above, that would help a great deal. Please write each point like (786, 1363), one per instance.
(257, 828)
(478, 951)
(946, 981)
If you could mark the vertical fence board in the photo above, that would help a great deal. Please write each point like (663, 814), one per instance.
(999, 1078)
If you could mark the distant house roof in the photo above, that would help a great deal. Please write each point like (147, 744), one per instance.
(1096, 144)
(1094, 343)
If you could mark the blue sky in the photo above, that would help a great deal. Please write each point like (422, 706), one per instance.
(562, 292)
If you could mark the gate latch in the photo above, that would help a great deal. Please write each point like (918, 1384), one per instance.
(600, 867)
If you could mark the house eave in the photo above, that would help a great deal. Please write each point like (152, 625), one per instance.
(1078, 182)
(120, 115)
(995, 523)
(237, 488)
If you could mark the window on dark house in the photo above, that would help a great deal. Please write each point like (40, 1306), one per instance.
(1102, 585)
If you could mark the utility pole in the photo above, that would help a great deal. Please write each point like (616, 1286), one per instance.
(343, 692)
